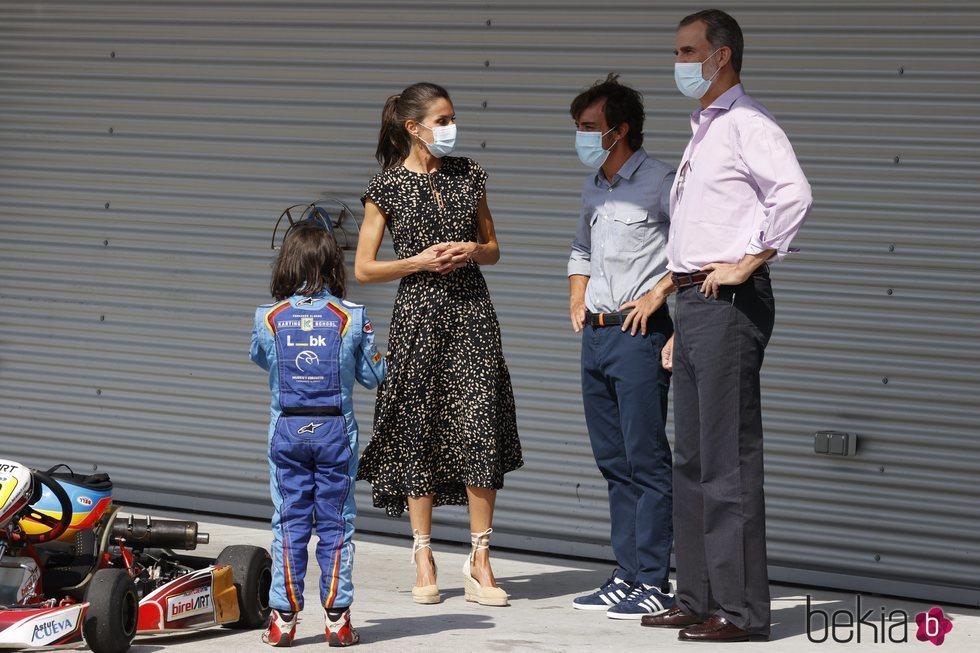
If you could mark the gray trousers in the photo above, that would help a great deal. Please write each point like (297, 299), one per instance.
(719, 505)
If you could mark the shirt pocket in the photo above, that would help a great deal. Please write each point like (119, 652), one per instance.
(630, 229)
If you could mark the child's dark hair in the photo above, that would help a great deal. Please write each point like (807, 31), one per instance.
(308, 262)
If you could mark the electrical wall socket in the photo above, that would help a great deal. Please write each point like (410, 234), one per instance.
(835, 443)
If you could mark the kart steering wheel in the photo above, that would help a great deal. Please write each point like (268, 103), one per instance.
(57, 525)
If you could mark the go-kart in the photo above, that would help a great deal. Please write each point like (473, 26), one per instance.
(72, 570)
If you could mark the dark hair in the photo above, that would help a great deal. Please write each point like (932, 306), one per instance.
(309, 262)
(394, 141)
(720, 29)
(623, 104)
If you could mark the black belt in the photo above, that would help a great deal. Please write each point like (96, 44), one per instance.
(597, 320)
(312, 411)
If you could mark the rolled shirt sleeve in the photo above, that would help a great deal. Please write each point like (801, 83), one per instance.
(580, 260)
(769, 159)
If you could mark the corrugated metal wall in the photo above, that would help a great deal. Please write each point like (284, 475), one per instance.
(146, 149)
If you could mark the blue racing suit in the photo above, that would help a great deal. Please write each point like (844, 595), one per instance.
(314, 348)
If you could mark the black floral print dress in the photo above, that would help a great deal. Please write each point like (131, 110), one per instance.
(444, 417)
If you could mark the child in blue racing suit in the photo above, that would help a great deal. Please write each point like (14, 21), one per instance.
(314, 345)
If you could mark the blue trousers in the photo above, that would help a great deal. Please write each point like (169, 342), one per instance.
(624, 390)
(312, 465)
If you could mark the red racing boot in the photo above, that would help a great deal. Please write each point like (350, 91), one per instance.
(339, 630)
(281, 631)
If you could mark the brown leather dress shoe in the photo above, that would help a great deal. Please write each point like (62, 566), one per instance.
(673, 618)
(716, 629)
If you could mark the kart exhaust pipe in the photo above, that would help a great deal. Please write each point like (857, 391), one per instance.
(163, 534)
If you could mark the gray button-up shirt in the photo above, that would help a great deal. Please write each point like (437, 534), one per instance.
(621, 241)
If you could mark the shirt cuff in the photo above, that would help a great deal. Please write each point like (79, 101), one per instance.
(759, 245)
(576, 266)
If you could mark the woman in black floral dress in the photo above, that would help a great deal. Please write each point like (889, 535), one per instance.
(445, 430)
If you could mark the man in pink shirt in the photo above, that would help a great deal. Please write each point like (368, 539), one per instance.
(737, 202)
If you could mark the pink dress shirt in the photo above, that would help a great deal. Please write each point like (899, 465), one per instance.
(739, 189)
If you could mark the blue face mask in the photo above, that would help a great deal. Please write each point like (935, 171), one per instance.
(443, 140)
(690, 79)
(588, 146)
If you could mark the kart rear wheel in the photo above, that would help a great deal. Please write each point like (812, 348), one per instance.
(251, 569)
(110, 621)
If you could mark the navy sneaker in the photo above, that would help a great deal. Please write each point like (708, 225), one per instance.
(641, 601)
(612, 592)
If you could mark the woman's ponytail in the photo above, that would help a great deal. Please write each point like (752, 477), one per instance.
(394, 141)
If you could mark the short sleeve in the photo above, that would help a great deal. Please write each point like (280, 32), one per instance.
(479, 177)
(380, 193)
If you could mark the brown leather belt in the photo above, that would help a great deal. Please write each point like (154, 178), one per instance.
(597, 320)
(683, 280)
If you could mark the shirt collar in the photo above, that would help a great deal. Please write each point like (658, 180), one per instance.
(727, 99)
(723, 102)
(630, 166)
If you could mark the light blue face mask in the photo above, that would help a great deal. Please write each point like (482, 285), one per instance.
(588, 146)
(443, 140)
(690, 80)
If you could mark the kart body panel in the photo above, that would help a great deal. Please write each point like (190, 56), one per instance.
(202, 598)
(31, 627)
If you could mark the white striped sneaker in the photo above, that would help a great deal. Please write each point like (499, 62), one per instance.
(612, 592)
(641, 601)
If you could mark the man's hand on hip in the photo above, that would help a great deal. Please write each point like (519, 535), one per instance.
(732, 274)
(643, 308)
(722, 274)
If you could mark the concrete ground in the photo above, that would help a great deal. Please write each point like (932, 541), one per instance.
(540, 617)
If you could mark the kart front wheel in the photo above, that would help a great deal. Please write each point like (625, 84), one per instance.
(251, 569)
(110, 621)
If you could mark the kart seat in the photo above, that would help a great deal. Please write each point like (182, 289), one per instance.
(67, 565)
(99, 482)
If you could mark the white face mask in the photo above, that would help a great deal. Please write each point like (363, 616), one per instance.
(443, 140)
(690, 80)
(588, 146)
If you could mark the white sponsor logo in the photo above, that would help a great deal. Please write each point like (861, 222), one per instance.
(314, 341)
(306, 360)
(49, 630)
(84, 501)
(188, 604)
(310, 428)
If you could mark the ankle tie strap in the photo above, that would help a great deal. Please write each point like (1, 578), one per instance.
(479, 542)
(420, 541)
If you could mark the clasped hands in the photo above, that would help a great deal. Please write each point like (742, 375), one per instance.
(443, 258)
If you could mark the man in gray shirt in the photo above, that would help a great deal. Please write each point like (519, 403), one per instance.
(618, 256)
